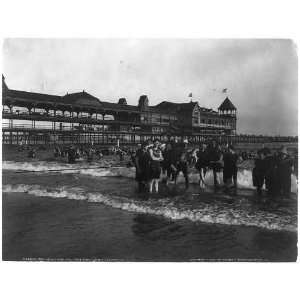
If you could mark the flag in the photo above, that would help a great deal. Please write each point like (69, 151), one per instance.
(224, 91)
(190, 94)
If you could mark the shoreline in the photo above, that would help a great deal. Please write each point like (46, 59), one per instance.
(52, 229)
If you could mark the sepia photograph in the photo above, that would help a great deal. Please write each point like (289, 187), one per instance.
(149, 150)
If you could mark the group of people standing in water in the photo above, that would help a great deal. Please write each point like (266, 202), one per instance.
(274, 170)
(157, 162)
(153, 160)
(172, 158)
(73, 153)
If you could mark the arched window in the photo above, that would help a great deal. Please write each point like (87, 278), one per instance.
(19, 110)
(83, 115)
(5, 109)
(51, 112)
(38, 111)
(59, 113)
(109, 118)
(67, 114)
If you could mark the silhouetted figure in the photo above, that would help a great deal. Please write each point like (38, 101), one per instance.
(215, 158)
(71, 155)
(90, 154)
(202, 163)
(32, 153)
(57, 151)
(271, 177)
(142, 165)
(285, 168)
(182, 163)
(259, 171)
(230, 168)
(168, 161)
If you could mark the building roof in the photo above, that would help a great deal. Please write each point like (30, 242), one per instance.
(73, 97)
(32, 96)
(4, 86)
(176, 107)
(86, 100)
(82, 99)
(227, 105)
(116, 106)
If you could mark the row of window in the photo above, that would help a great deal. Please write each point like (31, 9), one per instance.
(157, 129)
(156, 118)
(216, 122)
(39, 112)
(145, 118)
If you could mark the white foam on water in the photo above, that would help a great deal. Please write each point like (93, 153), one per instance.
(97, 170)
(165, 207)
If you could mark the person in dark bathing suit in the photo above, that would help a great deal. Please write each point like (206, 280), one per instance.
(230, 168)
(202, 164)
(215, 158)
(142, 165)
(57, 151)
(167, 162)
(271, 175)
(182, 163)
(71, 152)
(285, 168)
(90, 153)
(259, 171)
(32, 153)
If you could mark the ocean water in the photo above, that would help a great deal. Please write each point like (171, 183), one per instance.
(96, 213)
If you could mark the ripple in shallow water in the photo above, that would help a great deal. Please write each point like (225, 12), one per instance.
(176, 208)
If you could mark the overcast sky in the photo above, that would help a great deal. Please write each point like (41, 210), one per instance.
(260, 75)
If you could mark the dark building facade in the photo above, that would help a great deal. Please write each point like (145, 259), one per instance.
(83, 118)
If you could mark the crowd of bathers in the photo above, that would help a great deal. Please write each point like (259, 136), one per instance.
(159, 162)
(155, 160)
(152, 160)
(274, 171)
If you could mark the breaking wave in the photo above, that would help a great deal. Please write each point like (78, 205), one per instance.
(167, 207)
(105, 170)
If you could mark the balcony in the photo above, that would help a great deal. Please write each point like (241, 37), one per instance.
(35, 116)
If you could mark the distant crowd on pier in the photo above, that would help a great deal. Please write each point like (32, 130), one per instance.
(162, 163)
